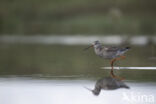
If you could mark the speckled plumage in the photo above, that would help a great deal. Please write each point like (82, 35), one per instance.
(108, 52)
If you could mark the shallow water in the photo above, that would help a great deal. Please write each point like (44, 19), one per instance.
(58, 74)
(60, 60)
(26, 90)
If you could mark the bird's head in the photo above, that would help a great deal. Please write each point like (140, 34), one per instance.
(94, 44)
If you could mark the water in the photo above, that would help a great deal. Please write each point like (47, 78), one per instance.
(26, 90)
(57, 74)
(79, 39)
(60, 60)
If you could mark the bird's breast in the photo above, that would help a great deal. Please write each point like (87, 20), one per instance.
(101, 53)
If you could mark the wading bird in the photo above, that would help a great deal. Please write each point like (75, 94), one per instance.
(113, 53)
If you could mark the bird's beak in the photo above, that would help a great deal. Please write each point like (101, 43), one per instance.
(88, 47)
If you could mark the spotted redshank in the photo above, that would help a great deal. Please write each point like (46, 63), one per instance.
(113, 53)
(107, 83)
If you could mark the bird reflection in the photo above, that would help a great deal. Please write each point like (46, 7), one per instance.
(108, 83)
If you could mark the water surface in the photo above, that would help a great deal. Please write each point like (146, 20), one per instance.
(26, 90)
(57, 74)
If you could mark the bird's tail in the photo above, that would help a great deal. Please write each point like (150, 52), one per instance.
(123, 50)
(125, 86)
(127, 47)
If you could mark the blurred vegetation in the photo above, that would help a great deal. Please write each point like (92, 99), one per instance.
(32, 17)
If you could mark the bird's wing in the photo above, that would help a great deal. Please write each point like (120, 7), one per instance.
(111, 49)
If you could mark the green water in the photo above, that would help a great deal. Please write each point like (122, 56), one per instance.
(60, 60)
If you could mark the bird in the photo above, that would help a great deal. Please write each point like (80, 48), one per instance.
(109, 52)
(107, 83)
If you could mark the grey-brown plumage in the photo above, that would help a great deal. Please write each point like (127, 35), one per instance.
(108, 83)
(108, 52)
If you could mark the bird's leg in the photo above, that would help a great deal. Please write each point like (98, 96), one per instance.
(115, 59)
(119, 58)
(122, 57)
(112, 63)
